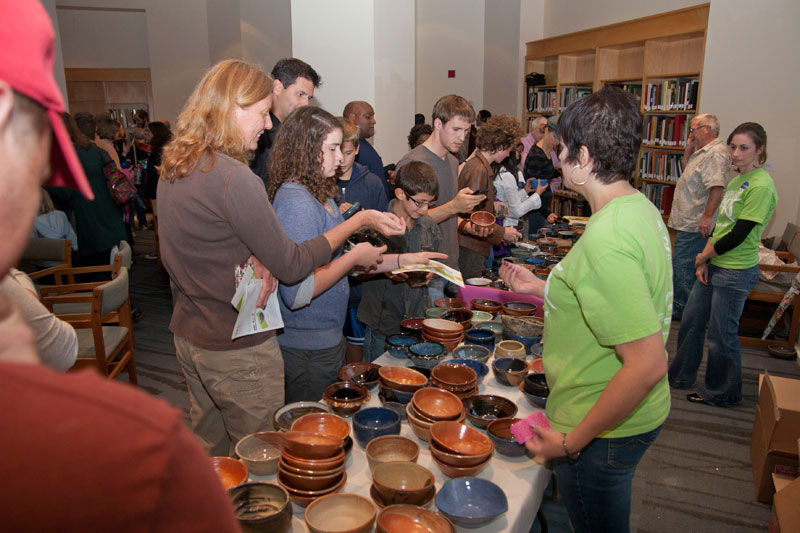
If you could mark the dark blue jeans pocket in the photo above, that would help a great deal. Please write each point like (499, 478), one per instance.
(626, 452)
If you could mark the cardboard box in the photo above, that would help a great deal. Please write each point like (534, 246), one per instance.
(773, 443)
(786, 507)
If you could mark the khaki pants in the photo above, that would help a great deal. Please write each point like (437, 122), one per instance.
(232, 393)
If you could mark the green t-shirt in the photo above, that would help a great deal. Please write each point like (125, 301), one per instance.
(613, 287)
(750, 196)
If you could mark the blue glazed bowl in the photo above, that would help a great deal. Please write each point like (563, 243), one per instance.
(537, 350)
(494, 327)
(480, 368)
(535, 401)
(387, 394)
(375, 422)
(499, 432)
(426, 354)
(535, 261)
(397, 344)
(473, 352)
(527, 342)
(481, 337)
(509, 370)
(471, 501)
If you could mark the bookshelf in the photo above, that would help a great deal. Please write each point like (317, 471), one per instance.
(119, 92)
(659, 59)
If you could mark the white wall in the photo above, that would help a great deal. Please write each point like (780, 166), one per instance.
(500, 48)
(449, 37)
(224, 31)
(58, 60)
(567, 16)
(103, 38)
(266, 28)
(531, 28)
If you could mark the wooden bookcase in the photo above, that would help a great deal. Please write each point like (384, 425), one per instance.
(120, 92)
(658, 58)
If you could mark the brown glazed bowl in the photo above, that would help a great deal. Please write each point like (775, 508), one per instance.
(408, 518)
(346, 397)
(484, 304)
(261, 506)
(403, 482)
(312, 445)
(450, 303)
(456, 459)
(449, 344)
(482, 219)
(402, 378)
(499, 432)
(317, 465)
(231, 472)
(461, 316)
(390, 448)
(445, 329)
(323, 423)
(437, 404)
(454, 377)
(509, 370)
(518, 309)
(341, 513)
(412, 326)
(513, 349)
(460, 471)
(454, 437)
(481, 409)
(303, 498)
(286, 467)
(310, 483)
(361, 372)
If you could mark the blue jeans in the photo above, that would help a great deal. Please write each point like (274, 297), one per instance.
(436, 288)
(374, 343)
(535, 221)
(597, 488)
(687, 245)
(717, 305)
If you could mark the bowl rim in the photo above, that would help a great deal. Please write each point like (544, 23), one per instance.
(348, 495)
(477, 435)
(397, 419)
(276, 434)
(395, 508)
(405, 464)
(455, 484)
(384, 438)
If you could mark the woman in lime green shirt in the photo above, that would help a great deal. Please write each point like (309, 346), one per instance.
(608, 306)
(727, 270)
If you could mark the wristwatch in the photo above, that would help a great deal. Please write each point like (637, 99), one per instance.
(571, 456)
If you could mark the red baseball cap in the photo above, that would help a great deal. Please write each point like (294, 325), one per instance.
(26, 63)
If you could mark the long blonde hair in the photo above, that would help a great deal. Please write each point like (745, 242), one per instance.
(207, 124)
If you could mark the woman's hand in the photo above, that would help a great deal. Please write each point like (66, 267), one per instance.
(541, 188)
(702, 273)
(269, 283)
(387, 223)
(511, 234)
(367, 257)
(419, 257)
(546, 444)
(520, 279)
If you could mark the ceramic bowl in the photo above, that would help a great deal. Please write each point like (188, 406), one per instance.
(471, 501)
(527, 326)
(312, 445)
(534, 400)
(457, 459)
(482, 219)
(402, 378)
(346, 397)
(473, 352)
(535, 261)
(536, 384)
(537, 350)
(372, 236)
(478, 282)
(303, 499)
(378, 500)
(445, 329)
(509, 370)
(437, 404)
(348, 513)
(453, 377)
(397, 407)
(286, 415)
(543, 273)
(422, 370)
(323, 423)
(460, 316)
(427, 354)
(434, 312)
(407, 518)
(388, 394)
(286, 467)
(459, 471)
(361, 372)
(397, 344)
(519, 308)
(420, 428)
(514, 349)
(261, 506)
(527, 342)
(454, 437)
(412, 326)
(480, 316)
(450, 303)
(390, 448)
(261, 451)
(480, 368)
(494, 327)
(230, 471)
(483, 408)
(449, 344)
(313, 483)
(403, 482)
(520, 253)
(374, 422)
(498, 284)
(499, 432)
(480, 336)
(316, 465)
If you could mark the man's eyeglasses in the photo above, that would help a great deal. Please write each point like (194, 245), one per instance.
(421, 203)
(692, 130)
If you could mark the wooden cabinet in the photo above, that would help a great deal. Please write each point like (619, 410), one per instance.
(658, 58)
(120, 92)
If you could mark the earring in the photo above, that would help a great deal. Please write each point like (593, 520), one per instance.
(573, 180)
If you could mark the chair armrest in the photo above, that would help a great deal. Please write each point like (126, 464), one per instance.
(779, 268)
(66, 289)
(47, 271)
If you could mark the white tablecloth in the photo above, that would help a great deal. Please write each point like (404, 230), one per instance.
(521, 478)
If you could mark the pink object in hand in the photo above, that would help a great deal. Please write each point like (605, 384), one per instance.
(523, 430)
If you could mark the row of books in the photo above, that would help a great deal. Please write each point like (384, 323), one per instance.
(542, 100)
(666, 130)
(566, 207)
(633, 88)
(660, 195)
(672, 95)
(665, 166)
(124, 116)
(571, 94)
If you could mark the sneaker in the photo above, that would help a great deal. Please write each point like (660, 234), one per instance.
(151, 256)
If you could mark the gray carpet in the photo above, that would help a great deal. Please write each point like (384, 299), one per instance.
(696, 477)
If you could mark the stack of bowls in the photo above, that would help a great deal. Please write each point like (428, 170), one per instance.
(261, 506)
(499, 432)
(480, 368)
(361, 372)
(261, 451)
(461, 316)
(459, 450)
(398, 383)
(482, 409)
(509, 371)
(435, 406)
(397, 344)
(390, 448)
(230, 471)
(311, 465)
(346, 397)
(471, 502)
(446, 332)
(405, 518)
(450, 303)
(323, 423)
(341, 513)
(412, 326)
(534, 388)
(402, 482)
(459, 379)
(286, 415)
(513, 349)
(375, 422)
(427, 354)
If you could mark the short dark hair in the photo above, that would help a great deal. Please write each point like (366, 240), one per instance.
(419, 118)
(417, 177)
(755, 131)
(609, 124)
(485, 114)
(289, 69)
(418, 131)
(86, 123)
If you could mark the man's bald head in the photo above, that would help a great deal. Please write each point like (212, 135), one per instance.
(361, 113)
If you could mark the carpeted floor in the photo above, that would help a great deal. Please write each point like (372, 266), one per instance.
(696, 477)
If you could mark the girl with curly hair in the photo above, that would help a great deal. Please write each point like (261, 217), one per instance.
(302, 187)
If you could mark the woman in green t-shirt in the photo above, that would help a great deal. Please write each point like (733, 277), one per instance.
(608, 306)
(727, 270)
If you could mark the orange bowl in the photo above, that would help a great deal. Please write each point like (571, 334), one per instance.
(402, 378)
(312, 445)
(437, 404)
(460, 439)
(324, 423)
(231, 472)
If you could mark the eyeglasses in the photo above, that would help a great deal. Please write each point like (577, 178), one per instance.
(692, 130)
(421, 203)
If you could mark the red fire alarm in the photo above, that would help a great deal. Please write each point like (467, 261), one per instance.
(451, 73)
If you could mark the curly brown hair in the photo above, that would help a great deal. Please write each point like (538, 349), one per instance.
(499, 132)
(296, 154)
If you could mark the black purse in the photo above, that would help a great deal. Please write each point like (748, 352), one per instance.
(535, 78)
